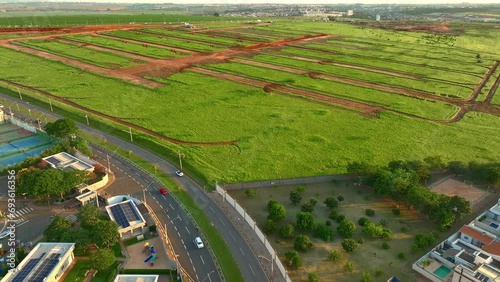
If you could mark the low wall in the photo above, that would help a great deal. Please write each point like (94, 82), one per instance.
(287, 181)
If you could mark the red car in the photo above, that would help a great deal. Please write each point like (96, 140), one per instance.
(163, 191)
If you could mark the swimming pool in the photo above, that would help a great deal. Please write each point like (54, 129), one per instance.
(442, 271)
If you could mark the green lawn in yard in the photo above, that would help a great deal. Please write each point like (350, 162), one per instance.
(77, 273)
(95, 57)
(136, 48)
(105, 275)
(117, 250)
(369, 256)
(165, 40)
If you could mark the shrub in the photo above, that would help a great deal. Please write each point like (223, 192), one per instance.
(269, 227)
(396, 211)
(340, 218)
(295, 197)
(370, 212)
(328, 223)
(333, 214)
(271, 203)
(404, 229)
(423, 241)
(309, 206)
(340, 198)
(287, 231)
(349, 266)
(294, 259)
(378, 272)
(361, 241)
(335, 256)
(401, 256)
(346, 228)
(349, 245)
(385, 246)
(323, 232)
(250, 192)
(362, 221)
(331, 203)
(366, 276)
(384, 222)
(301, 189)
(312, 277)
(277, 212)
(302, 243)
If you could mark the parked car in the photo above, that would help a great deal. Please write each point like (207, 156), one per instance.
(198, 243)
(4, 234)
(179, 173)
(163, 191)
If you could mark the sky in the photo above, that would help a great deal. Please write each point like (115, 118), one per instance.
(284, 1)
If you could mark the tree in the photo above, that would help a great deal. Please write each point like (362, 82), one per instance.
(349, 266)
(331, 203)
(294, 259)
(458, 168)
(366, 276)
(423, 241)
(305, 221)
(270, 204)
(324, 232)
(70, 179)
(105, 234)
(269, 227)
(56, 228)
(435, 162)
(80, 237)
(89, 216)
(216, 15)
(302, 243)
(340, 198)
(82, 145)
(250, 193)
(349, 245)
(102, 259)
(312, 277)
(277, 212)
(335, 256)
(62, 128)
(370, 212)
(287, 231)
(309, 206)
(295, 197)
(346, 228)
(362, 221)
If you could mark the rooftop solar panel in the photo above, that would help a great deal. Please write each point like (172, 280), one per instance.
(20, 276)
(134, 211)
(45, 268)
(119, 216)
(54, 161)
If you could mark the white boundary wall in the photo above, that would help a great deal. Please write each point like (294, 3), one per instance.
(255, 228)
(19, 123)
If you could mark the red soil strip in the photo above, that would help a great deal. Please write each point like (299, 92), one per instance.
(397, 90)
(148, 43)
(270, 87)
(96, 69)
(118, 120)
(493, 90)
(100, 48)
(481, 84)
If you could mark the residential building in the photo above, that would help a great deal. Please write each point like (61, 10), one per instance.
(472, 254)
(46, 262)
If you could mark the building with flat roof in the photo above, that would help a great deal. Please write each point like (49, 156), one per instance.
(128, 217)
(65, 160)
(136, 278)
(472, 254)
(45, 263)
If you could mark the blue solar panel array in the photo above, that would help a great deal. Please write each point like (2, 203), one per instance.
(45, 268)
(53, 160)
(131, 212)
(21, 276)
(119, 216)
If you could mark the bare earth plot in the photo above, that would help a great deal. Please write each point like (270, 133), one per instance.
(452, 187)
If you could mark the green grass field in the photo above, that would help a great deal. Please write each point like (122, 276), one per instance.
(198, 36)
(167, 41)
(136, 48)
(282, 136)
(95, 57)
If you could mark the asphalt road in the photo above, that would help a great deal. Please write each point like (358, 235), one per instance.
(198, 263)
(241, 251)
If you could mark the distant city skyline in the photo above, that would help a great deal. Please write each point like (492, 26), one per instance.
(268, 1)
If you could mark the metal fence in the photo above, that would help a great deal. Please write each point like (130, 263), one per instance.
(255, 228)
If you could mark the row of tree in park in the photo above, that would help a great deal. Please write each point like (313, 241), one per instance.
(402, 180)
(93, 230)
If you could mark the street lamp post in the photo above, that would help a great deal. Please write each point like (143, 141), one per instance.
(87, 117)
(29, 110)
(109, 166)
(50, 103)
(130, 131)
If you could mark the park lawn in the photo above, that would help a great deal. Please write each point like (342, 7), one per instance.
(430, 73)
(369, 255)
(198, 36)
(167, 41)
(84, 54)
(132, 47)
(423, 84)
(77, 273)
(424, 108)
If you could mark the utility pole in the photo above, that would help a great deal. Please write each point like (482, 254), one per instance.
(109, 167)
(130, 131)
(87, 117)
(144, 195)
(180, 160)
(97, 199)
(50, 103)
(20, 96)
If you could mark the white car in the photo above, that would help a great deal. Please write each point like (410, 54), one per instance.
(198, 243)
(179, 173)
(4, 234)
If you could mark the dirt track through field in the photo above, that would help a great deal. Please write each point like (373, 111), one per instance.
(120, 120)
(481, 84)
(402, 91)
(85, 66)
(493, 90)
(366, 109)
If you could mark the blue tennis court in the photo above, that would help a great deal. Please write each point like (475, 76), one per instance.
(19, 157)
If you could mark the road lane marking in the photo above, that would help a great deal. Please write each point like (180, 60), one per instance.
(222, 221)
(175, 227)
(182, 241)
(202, 260)
(211, 209)
(231, 233)
(251, 270)
(171, 206)
(242, 251)
(187, 229)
